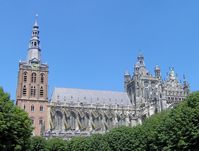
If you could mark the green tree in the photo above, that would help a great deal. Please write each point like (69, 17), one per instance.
(120, 138)
(97, 142)
(56, 144)
(78, 144)
(180, 130)
(38, 144)
(15, 126)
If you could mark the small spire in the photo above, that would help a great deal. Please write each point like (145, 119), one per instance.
(157, 67)
(126, 73)
(172, 74)
(36, 21)
(184, 77)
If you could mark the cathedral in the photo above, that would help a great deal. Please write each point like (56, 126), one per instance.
(79, 112)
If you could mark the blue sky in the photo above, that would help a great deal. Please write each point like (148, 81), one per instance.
(89, 44)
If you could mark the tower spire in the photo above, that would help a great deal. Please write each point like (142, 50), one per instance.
(34, 50)
(36, 18)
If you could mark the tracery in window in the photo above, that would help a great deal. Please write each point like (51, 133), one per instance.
(72, 121)
(41, 91)
(33, 78)
(41, 108)
(41, 121)
(42, 78)
(25, 77)
(58, 120)
(24, 90)
(32, 108)
(33, 91)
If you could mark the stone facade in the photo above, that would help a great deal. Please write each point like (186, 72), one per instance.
(152, 94)
(75, 112)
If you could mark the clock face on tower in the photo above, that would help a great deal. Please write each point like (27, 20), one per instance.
(35, 66)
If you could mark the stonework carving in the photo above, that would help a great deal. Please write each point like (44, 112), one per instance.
(89, 111)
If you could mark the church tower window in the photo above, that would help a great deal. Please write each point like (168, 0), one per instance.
(35, 44)
(33, 91)
(41, 92)
(42, 78)
(25, 77)
(41, 121)
(24, 90)
(32, 108)
(41, 108)
(33, 79)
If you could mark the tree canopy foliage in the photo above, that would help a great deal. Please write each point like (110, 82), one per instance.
(15, 126)
(173, 129)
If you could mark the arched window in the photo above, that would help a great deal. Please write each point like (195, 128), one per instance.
(41, 121)
(33, 91)
(97, 121)
(84, 121)
(24, 107)
(121, 120)
(35, 43)
(33, 79)
(58, 120)
(25, 77)
(32, 108)
(109, 120)
(41, 108)
(24, 90)
(72, 121)
(42, 78)
(41, 92)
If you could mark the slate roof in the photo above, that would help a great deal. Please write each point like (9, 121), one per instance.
(90, 96)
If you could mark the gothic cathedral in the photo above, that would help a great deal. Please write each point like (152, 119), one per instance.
(78, 112)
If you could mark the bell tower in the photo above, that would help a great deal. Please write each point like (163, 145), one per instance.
(32, 85)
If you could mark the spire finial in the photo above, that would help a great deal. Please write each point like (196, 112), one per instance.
(184, 77)
(36, 18)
